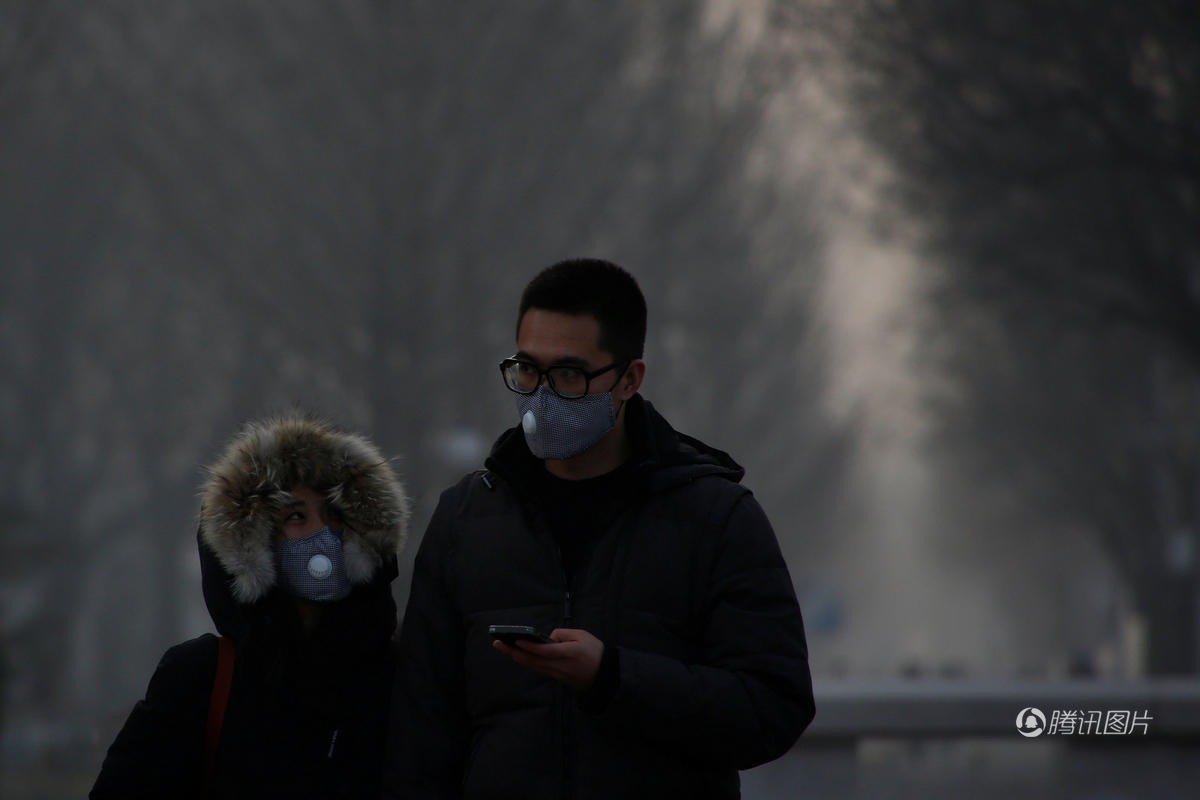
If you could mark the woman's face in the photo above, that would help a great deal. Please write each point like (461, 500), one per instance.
(307, 515)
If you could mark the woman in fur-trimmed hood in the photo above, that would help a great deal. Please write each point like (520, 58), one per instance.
(300, 525)
(255, 480)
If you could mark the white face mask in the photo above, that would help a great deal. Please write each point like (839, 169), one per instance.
(313, 567)
(559, 428)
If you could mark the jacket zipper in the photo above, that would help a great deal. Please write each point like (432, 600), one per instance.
(332, 744)
(564, 694)
(328, 775)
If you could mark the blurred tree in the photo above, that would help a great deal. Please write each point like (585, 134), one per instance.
(171, 267)
(210, 211)
(1050, 155)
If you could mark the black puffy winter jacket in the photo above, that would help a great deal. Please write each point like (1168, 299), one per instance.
(687, 583)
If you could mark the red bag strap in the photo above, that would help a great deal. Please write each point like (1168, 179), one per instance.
(222, 680)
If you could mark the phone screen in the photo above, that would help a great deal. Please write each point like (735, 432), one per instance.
(510, 634)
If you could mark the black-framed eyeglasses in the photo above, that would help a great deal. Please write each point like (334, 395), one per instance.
(568, 382)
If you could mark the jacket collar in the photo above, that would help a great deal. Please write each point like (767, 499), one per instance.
(665, 458)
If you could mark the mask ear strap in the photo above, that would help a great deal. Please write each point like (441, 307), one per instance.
(621, 407)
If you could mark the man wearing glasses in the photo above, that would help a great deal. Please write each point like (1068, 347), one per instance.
(653, 644)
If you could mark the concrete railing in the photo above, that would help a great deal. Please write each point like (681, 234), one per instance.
(951, 708)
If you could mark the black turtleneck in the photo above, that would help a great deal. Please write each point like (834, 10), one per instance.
(581, 511)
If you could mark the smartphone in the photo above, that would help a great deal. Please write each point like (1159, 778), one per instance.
(510, 634)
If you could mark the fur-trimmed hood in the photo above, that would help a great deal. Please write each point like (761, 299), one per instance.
(251, 482)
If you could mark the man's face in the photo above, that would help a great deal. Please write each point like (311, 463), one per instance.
(552, 338)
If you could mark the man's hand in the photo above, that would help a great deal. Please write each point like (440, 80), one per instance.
(573, 659)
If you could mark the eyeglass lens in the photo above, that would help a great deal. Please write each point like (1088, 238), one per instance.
(524, 377)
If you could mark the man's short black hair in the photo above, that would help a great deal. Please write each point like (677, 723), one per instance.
(595, 287)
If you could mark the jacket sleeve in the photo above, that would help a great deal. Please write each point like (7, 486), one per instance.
(160, 750)
(424, 757)
(749, 697)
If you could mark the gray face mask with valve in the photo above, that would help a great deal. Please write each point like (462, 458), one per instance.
(313, 567)
(558, 428)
